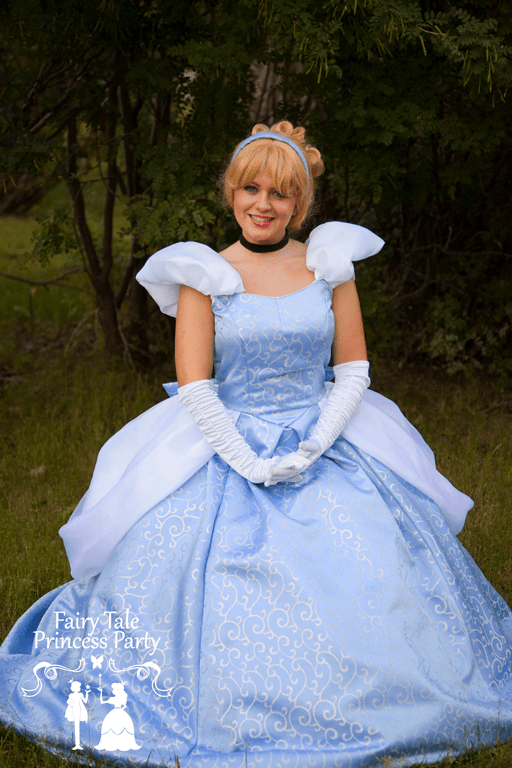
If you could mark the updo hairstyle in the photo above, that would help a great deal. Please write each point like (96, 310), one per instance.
(283, 165)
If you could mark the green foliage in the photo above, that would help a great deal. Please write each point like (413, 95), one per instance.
(54, 237)
(417, 151)
(407, 101)
(180, 203)
(455, 338)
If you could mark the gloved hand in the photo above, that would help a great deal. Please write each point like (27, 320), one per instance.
(287, 469)
(212, 418)
(351, 382)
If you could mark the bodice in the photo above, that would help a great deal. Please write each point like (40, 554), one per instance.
(271, 353)
(271, 356)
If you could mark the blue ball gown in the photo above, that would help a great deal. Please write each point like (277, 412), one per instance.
(332, 622)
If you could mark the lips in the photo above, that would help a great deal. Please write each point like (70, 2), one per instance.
(261, 221)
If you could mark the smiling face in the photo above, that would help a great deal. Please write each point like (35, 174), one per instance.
(262, 212)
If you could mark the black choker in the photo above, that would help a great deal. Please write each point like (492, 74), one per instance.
(264, 248)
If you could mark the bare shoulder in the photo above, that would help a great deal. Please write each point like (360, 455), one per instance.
(298, 248)
(297, 253)
(228, 252)
(235, 255)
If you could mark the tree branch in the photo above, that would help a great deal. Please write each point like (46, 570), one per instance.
(53, 281)
(77, 198)
(44, 119)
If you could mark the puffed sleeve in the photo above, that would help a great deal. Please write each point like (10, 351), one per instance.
(192, 264)
(332, 248)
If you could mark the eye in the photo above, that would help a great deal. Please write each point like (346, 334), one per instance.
(250, 188)
(279, 195)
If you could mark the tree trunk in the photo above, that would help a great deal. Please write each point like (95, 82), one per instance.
(99, 272)
(107, 315)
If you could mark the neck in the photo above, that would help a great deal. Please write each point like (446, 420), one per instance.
(266, 247)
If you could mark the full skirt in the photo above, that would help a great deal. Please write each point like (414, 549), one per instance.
(330, 623)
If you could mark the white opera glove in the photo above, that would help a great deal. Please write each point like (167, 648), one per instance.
(350, 383)
(287, 468)
(206, 408)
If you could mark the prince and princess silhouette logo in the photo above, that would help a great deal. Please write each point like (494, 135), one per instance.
(82, 702)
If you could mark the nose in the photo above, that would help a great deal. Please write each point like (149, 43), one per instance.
(263, 200)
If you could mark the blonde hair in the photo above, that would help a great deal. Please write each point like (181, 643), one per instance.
(283, 165)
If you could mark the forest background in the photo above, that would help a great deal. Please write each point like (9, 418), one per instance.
(134, 105)
(117, 118)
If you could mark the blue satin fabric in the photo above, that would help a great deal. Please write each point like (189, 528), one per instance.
(329, 623)
(269, 361)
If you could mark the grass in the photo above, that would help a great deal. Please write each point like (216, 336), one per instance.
(18, 752)
(52, 424)
(468, 424)
(32, 315)
(60, 403)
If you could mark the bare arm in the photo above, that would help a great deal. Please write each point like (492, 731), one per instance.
(194, 336)
(349, 343)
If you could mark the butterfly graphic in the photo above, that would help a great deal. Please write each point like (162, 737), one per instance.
(97, 661)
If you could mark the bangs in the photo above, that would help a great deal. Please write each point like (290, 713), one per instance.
(282, 165)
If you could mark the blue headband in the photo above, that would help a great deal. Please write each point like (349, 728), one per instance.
(275, 137)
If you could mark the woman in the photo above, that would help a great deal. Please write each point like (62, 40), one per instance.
(269, 560)
(117, 727)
